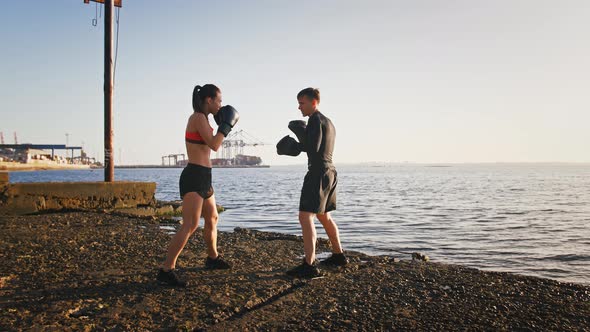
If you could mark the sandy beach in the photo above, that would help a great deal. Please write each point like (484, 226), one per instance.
(88, 271)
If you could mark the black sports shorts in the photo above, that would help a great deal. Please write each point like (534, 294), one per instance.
(318, 194)
(196, 178)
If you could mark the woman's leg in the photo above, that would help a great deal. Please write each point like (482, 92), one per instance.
(210, 230)
(192, 205)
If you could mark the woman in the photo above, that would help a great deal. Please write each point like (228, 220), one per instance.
(196, 190)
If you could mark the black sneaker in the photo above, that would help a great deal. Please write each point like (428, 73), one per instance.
(335, 260)
(216, 264)
(170, 278)
(305, 271)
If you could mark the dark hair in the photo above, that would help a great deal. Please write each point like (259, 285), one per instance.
(200, 93)
(311, 93)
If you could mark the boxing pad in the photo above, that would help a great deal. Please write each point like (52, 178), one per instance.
(228, 117)
(288, 146)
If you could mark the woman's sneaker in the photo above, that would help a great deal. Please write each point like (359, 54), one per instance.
(335, 260)
(170, 278)
(216, 264)
(305, 271)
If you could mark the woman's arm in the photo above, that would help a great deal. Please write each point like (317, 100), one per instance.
(201, 123)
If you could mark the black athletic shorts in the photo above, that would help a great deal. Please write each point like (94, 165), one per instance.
(196, 178)
(318, 194)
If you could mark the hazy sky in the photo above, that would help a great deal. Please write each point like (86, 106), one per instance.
(417, 81)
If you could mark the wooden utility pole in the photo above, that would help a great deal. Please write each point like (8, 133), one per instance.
(109, 155)
(109, 158)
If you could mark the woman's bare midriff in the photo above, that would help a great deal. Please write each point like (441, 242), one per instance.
(199, 154)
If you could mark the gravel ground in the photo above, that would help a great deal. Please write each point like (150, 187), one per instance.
(87, 271)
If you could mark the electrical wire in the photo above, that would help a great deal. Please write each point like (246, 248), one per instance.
(95, 23)
(116, 47)
(95, 19)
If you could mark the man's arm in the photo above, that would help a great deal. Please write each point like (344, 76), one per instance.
(314, 134)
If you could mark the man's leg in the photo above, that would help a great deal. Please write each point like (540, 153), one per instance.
(309, 235)
(332, 231)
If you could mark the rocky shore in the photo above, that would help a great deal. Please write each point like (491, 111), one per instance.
(86, 271)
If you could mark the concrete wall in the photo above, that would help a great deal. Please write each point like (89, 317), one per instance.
(25, 198)
(38, 165)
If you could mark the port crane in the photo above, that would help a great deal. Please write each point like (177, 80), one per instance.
(230, 154)
(182, 161)
(234, 144)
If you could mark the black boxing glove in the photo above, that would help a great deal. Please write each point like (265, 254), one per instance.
(216, 118)
(228, 117)
(288, 146)
(298, 128)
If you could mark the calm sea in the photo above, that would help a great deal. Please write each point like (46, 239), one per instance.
(531, 219)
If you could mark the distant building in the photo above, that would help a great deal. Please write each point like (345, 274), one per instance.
(29, 155)
(42, 154)
(239, 160)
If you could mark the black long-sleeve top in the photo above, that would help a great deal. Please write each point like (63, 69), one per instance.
(320, 136)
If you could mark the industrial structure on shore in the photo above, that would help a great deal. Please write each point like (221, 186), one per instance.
(43, 155)
(39, 154)
(231, 153)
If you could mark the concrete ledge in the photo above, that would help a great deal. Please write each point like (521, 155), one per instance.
(26, 198)
(39, 165)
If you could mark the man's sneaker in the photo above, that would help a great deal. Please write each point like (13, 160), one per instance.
(305, 271)
(216, 264)
(170, 278)
(335, 260)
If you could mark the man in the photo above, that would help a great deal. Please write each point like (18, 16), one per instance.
(318, 195)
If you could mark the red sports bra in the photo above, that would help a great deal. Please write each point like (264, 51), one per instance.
(194, 137)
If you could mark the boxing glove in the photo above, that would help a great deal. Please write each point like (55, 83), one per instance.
(288, 146)
(228, 117)
(298, 128)
(217, 119)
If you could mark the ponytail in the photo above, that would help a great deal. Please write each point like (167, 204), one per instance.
(196, 99)
(200, 93)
